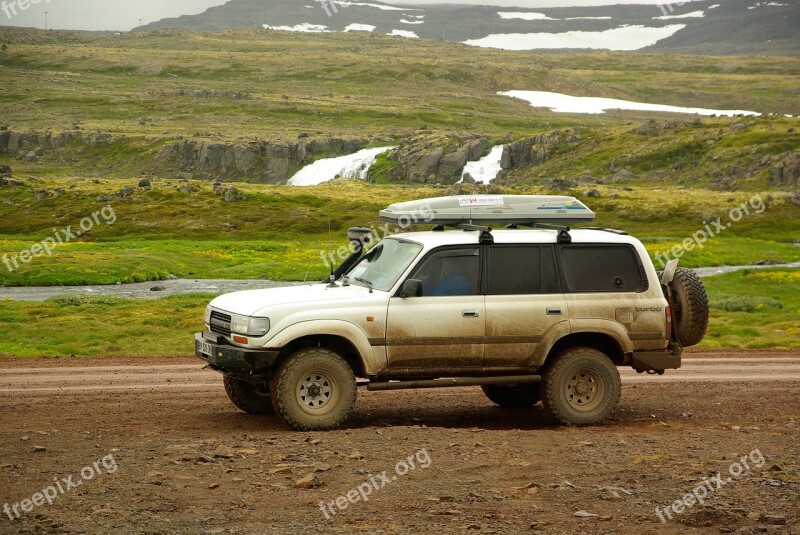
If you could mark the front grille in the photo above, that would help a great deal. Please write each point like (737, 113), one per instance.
(220, 323)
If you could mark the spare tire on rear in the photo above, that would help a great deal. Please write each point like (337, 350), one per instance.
(690, 306)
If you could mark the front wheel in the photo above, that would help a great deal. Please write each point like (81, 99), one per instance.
(314, 390)
(581, 387)
(252, 398)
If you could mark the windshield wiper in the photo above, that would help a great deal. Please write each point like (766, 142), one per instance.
(365, 281)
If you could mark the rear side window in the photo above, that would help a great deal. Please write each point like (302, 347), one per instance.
(602, 268)
(521, 270)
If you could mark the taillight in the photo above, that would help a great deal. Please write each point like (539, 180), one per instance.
(669, 321)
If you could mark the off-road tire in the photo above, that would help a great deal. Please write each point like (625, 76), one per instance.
(314, 390)
(581, 387)
(250, 397)
(522, 396)
(690, 304)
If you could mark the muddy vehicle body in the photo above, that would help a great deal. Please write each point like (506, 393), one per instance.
(545, 313)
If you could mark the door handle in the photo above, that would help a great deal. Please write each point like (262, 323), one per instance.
(470, 313)
(554, 311)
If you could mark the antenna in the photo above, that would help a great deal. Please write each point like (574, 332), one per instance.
(45, 19)
(140, 22)
(332, 278)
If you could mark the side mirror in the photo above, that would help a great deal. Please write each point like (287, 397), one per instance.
(411, 288)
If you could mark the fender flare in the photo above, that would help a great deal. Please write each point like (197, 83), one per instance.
(339, 328)
(590, 326)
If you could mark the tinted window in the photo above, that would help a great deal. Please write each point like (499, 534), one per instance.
(550, 283)
(514, 270)
(450, 272)
(597, 268)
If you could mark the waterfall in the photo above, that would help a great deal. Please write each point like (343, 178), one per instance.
(351, 166)
(487, 168)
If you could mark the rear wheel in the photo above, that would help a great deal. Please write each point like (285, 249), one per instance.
(315, 389)
(581, 387)
(253, 398)
(513, 396)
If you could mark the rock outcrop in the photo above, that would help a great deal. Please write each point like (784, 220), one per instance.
(535, 150)
(20, 144)
(435, 158)
(265, 161)
(786, 171)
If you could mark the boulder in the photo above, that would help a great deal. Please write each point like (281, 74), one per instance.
(233, 195)
(125, 192)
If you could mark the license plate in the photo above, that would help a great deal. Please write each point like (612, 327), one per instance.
(205, 349)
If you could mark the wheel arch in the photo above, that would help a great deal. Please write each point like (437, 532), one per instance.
(340, 345)
(602, 342)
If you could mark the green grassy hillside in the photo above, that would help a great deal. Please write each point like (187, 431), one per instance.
(662, 181)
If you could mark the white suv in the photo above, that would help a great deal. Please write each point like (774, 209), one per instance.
(540, 314)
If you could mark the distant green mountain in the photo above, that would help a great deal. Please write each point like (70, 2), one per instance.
(713, 27)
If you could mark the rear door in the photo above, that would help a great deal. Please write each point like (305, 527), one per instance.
(608, 283)
(523, 302)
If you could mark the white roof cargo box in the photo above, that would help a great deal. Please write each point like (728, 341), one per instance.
(475, 209)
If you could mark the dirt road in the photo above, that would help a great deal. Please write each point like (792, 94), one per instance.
(777, 367)
(167, 453)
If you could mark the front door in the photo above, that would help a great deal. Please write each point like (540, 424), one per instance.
(441, 332)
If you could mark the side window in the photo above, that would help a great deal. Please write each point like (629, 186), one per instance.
(514, 270)
(450, 272)
(599, 268)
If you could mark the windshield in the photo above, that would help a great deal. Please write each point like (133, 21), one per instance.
(384, 264)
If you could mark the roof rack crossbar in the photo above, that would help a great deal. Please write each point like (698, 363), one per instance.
(486, 232)
(612, 230)
(563, 232)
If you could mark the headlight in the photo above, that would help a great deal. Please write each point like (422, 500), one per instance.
(207, 315)
(249, 326)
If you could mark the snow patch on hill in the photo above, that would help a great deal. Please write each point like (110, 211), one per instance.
(692, 15)
(360, 28)
(622, 38)
(305, 27)
(562, 103)
(403, 33)
(523, 15)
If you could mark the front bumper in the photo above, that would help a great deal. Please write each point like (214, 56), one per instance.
(220, 355)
